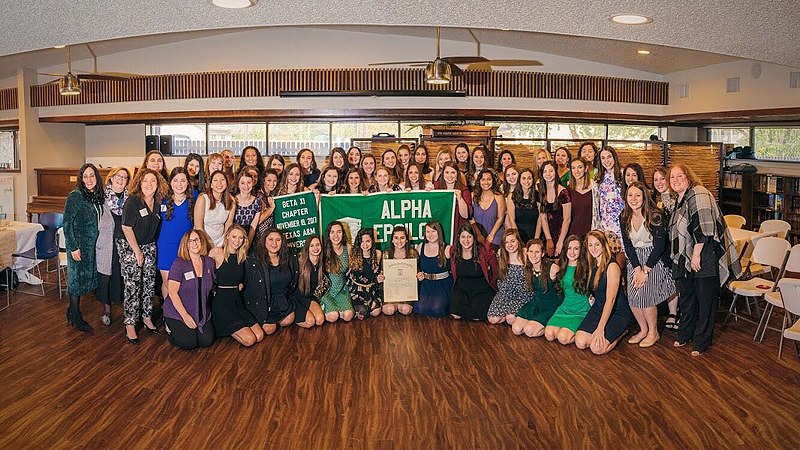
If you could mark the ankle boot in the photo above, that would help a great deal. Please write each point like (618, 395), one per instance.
(75, 319)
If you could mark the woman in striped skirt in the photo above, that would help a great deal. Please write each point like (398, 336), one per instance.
(646, 248)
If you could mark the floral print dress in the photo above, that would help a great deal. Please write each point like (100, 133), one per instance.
(611, 204)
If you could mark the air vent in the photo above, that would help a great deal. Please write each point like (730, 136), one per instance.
(683, 91)
(732, 84)
(794, 80)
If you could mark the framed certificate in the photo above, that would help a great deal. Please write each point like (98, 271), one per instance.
(400, 283)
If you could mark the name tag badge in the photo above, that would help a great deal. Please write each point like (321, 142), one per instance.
(188, 276)
(143, 212)
(163, 208)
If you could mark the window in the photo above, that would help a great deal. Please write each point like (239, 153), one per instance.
(736, 136)
(575, 131)
(288, 138)
(236, 136)
(186, 137)
(631, 132)
(519, 130)
(782, 144)
(9, 160)
(342, 133)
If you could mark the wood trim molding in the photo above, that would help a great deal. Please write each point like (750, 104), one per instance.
(270, 83)
(8, 98)
(9, 123)
(335, 115)
(744, 116)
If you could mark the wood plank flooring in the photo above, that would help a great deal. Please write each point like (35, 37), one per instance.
(391, 382)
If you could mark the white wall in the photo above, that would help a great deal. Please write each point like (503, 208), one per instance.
(707, 88)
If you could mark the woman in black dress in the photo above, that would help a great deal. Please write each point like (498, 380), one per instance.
(522, 212)
(474, 270)
(364, 277)
(271, 282)
(311, 285)
(228, 312)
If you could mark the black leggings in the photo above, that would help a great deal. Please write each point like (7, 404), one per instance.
(186, 338)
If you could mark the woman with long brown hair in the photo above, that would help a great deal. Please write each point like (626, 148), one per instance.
(581, 187)
(435, 281)
(364, 275)
(511, 291)
(556, 209)
(489, 207)
(336, 303)
(609, 317)
(540, 279)
(452, 180)
(474, 269)
(399, 248)
(312, 284)
(177, 212)
(270, 287)
(572, 283)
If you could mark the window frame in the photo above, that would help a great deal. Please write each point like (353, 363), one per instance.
(17, 163)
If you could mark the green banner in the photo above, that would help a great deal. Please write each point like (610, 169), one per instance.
(297, 215)
(383, 211)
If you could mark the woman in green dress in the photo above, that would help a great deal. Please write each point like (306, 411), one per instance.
(540, 276)
(336, 303)
(573, 283)
(82, 212)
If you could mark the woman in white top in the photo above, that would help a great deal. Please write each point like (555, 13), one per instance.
(215, 208)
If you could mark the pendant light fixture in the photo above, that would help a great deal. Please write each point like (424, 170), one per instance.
(69, 83)
(438, 71)
(234, 4)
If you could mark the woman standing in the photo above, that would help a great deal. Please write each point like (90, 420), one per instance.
(276, 163)
(540, 279)
(476, 166)
(463, 159)
(563, 159)
(187, 309)
(228, 164)
(474, 270)
(435, 282)
(610, 315)
(650, 281)
(665, 201)
(109, 277)
(311, 285)
(703, 256)
(556, 209)
(490, 209)
(177, 212)
(608, 201)
(82, 212)
(308, 166)
(251, 157)
(215, 208)
(153, 160)
(422, 160)
(328, 181)
(522, 210)
(572, 283)
(511, 293)
(230, 316)
(632, 173)
(399, 249)
(451, 180)
(292, 181)
(193, 165)
(248, 207)
(270, 288)
(336, 303)
(364, 276)
(403, 158)
(542, 156)
(510, 181)
(581, 188)
(504, 160)
(215, 162)
(137, 251)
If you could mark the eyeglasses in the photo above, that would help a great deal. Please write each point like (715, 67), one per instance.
(195, 241)
(120, 177)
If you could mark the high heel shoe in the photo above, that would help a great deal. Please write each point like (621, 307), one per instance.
(153, 330)
(75, 319)
(134, 341)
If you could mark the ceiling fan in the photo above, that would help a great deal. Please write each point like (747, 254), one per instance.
(69, 83)
(441, 69)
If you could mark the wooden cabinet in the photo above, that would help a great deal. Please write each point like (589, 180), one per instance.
(52, 187)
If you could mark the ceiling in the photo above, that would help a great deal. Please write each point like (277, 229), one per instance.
(749, 29)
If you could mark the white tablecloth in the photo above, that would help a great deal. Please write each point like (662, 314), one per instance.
(26, 240)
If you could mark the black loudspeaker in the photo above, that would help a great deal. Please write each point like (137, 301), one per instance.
(151, 143)
(166, 144)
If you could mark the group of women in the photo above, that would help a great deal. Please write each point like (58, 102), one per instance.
(522, 255)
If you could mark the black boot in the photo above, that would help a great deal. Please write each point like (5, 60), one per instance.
(74, 316)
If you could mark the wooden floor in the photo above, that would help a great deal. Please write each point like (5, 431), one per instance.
(391, 382)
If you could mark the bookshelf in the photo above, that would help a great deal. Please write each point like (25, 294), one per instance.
(759, 197)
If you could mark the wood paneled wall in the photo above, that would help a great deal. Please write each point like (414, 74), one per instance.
(270, 83)
(8, 98)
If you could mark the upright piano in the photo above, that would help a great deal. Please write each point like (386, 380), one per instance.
(53, 185)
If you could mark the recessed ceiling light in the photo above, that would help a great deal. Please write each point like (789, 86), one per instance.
(234, 4)
(59, 46)
(643, 52)
(630, 19)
